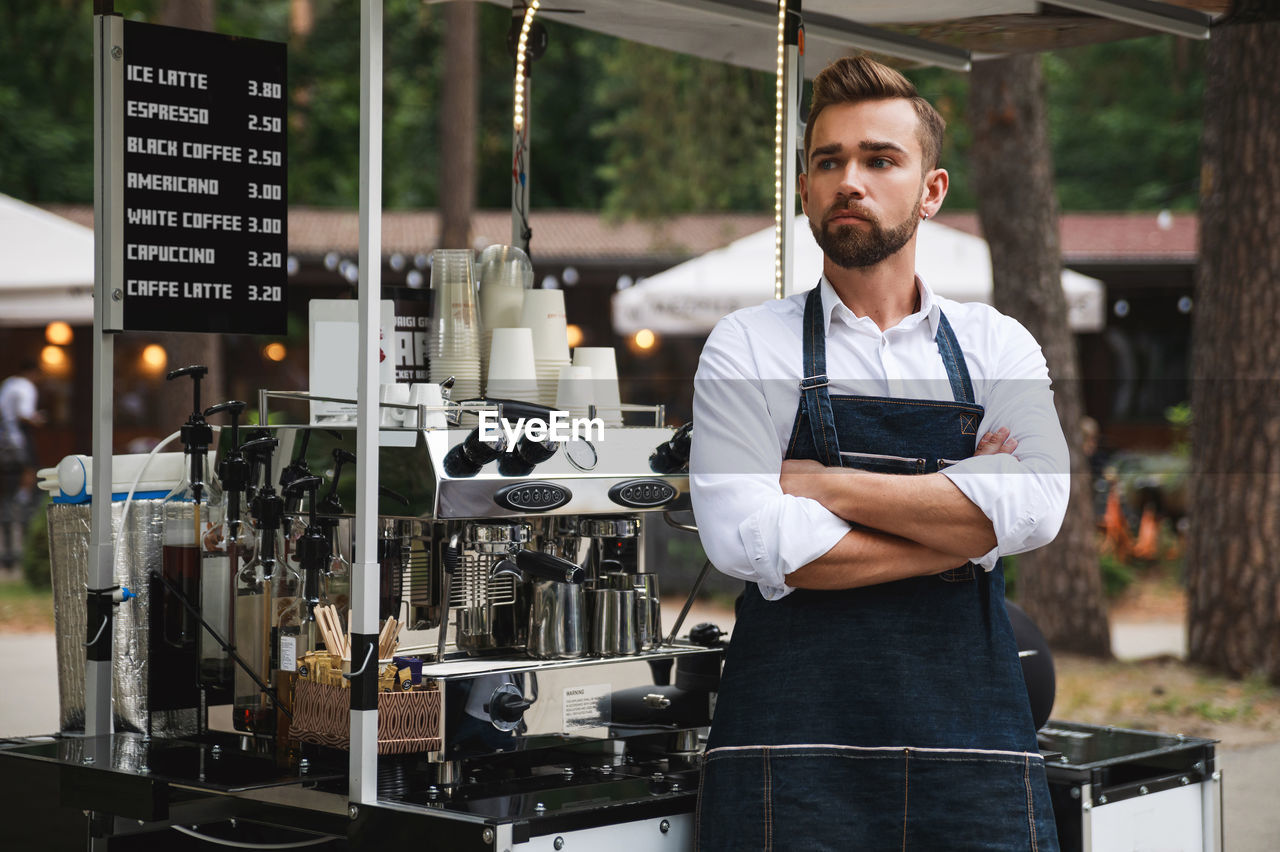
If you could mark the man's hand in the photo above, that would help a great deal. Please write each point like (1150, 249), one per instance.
(996, 442)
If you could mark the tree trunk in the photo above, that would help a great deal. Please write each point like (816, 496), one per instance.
(174, 402)
(1060, 586)
(459, 103)
(190, 14)
(1232, 566)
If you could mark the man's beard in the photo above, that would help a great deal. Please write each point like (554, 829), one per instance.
(856, 247)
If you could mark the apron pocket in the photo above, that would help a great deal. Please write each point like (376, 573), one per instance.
(838, 798)
(969, 801)
(733, 812)
(877, 463)
(801, 799)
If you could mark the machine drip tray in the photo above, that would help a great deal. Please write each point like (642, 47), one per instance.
(563, 791)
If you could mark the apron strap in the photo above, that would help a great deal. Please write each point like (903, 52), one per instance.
(813, 386)
(953, 360)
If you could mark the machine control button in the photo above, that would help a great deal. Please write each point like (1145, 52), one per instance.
(642, 493)
(533, 497)
(506, 707)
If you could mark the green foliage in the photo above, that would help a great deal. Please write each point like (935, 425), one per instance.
(683, 134)
(635, 130)
(1179, 417)
(1116, 575)
(46, 100)
(1125, 119)
(35, 548)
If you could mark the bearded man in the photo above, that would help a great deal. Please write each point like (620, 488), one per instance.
(872, 695)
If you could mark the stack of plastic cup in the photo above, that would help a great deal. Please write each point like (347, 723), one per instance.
(543, 314)
(511, 370)
(574, 391)
(504, 273)
(455, 323)
(604, 381)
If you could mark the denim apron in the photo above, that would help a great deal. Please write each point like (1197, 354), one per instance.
(887, 717)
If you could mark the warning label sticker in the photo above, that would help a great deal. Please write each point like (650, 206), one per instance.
(586, 707)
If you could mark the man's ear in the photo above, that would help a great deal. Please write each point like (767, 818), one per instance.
(804, 193)
(934, 190)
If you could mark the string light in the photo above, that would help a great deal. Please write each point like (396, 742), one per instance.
(780, 93)
(521, 48)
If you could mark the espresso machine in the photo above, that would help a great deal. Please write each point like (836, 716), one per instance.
(533, 626)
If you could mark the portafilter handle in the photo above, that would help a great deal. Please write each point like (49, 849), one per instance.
(545, 566)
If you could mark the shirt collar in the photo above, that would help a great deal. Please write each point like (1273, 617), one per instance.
(832, 306)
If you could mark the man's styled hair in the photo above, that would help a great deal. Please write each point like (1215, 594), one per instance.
(854, 79)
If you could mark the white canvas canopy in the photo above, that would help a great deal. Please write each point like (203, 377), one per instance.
(691, 297)
(47, 269)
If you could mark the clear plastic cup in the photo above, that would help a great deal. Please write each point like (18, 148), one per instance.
(504, 273)
(455, 321)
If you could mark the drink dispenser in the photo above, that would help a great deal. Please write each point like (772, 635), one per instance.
(221, 553)
(254, 602)
(298, 592)
(336, 586)
(175, 627)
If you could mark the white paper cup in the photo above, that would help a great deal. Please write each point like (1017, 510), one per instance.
(549, 380)
(575, 391)
(543, 314)
(511, 356)
(604, 379)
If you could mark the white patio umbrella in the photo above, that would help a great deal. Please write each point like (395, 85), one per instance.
(46, 267)
(691, 297)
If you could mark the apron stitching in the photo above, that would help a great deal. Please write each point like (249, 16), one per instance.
(822, 418)
(939, 402)
(956, 391)
(906, 791)
(768, 805)
(1031, 806)
(697, 812)
(917, 749)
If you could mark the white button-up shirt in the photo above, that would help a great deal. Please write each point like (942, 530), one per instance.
(746, 393)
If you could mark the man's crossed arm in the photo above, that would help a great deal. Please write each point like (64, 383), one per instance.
(907, 526)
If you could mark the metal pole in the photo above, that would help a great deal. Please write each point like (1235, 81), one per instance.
(520, 178)
(108, 148)
(363, 784)
(793, 88)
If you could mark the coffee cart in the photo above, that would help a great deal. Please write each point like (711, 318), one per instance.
(540, 699)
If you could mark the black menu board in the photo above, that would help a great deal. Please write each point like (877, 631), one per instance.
(204, 225)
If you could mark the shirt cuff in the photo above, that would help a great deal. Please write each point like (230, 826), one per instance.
(1007, 494)
(802, 531)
